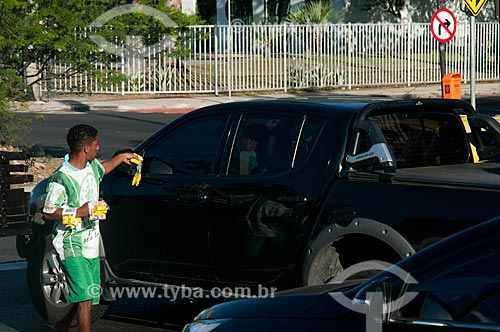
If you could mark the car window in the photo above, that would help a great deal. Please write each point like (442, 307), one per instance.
(421, 139)
(308, 137)
(272, 144)
(188, 149)
(467, 292)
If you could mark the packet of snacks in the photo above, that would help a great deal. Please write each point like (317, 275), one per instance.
(98, 210)
(69, 217)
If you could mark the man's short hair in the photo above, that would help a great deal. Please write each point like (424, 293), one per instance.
(79, 136)
(256, 131)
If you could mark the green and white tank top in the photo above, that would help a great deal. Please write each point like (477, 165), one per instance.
(72, 187)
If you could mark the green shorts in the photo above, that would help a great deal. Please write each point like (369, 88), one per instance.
(84, 279)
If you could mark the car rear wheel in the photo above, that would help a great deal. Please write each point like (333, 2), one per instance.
(323, 267)
(47, 283)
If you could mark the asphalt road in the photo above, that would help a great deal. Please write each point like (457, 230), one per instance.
(117, 130)
(125, 315)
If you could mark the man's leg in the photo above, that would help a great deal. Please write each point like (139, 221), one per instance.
(65, 323)
(83, 316)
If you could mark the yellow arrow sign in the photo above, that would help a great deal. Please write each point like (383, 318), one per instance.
(475, 6)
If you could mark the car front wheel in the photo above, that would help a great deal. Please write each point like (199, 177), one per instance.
(47, 283)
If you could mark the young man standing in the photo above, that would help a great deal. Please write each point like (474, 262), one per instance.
(71, 192)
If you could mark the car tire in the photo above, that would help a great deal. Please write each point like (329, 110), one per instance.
(47, 284)
(22, 245)
(323, 267)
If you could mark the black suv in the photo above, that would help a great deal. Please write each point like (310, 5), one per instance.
(281, 194)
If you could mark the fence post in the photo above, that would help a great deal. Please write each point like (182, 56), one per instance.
(216, 59)
(229, 44)
(349, 58)
(123, 73)
(497, 51)
(408, 52)
(285, 56)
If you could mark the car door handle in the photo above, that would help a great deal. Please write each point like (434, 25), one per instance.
(203, 197)
(292, 199)
(154, 179)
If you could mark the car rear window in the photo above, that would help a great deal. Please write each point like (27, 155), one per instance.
(422, 139)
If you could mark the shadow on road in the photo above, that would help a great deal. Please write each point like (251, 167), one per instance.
(149, 315)
(123, 315)
(18, 314)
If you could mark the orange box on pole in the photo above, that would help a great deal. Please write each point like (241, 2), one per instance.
(451, 86)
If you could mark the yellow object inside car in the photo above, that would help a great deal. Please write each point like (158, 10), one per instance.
(468, 131)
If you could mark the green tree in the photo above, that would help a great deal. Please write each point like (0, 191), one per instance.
(39, 32)
(44, 31)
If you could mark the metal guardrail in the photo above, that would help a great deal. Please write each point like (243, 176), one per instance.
(281, 57)
(15, 218)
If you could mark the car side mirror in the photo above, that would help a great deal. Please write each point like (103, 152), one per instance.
(125, 169)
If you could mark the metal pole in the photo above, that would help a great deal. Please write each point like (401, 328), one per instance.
(442, 59)
(473, 61)
(442, 52)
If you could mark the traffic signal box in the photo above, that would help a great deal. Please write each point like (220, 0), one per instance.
(451, 86)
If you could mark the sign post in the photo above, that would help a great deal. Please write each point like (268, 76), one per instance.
(443, 29)
(473, 61)
(475, 7)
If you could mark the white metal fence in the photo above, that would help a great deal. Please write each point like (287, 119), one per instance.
(281, 57)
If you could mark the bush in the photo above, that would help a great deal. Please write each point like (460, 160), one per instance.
(320, 12)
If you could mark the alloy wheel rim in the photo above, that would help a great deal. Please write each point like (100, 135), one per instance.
(53, 281)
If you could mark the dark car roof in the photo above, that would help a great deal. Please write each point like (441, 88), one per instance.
(336, 109)
(315, 107)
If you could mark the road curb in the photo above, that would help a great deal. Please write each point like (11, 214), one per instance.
(176, 110)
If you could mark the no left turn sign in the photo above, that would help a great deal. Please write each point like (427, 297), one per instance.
(443, 25)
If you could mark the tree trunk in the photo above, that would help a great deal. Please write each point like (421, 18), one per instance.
(174, 4)
(497, 10)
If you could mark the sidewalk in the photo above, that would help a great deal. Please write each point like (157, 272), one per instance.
(188, 102)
